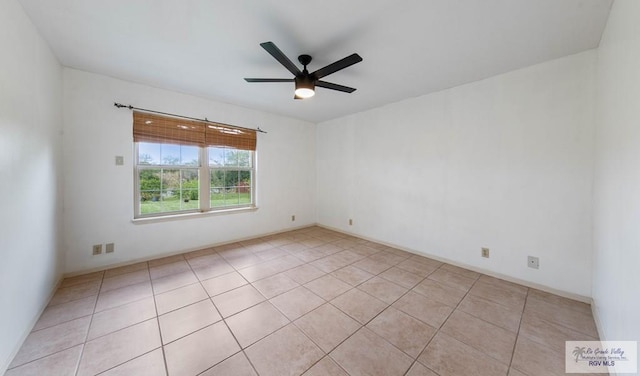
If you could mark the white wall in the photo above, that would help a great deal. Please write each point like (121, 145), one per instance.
(616, 262)
(504, 163)
(30, 183)
(99, 195)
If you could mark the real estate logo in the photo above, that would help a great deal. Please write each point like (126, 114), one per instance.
(601, 356)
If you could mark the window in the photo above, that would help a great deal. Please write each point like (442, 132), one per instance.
(178, 163)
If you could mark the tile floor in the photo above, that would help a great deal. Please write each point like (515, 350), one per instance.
(310, 301)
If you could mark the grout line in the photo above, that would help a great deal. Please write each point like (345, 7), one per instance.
(515, 343)
(89, 327)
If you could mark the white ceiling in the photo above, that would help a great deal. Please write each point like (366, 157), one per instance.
(409, 47)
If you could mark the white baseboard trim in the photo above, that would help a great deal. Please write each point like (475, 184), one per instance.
(185, 250)
(565, 294)
(34, 320)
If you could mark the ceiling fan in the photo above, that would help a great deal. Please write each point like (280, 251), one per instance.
(306, 82)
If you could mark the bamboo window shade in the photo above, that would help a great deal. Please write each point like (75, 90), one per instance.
(164, 129)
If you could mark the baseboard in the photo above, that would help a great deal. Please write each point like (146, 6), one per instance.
(34, 320)
(505, 277)
(186, 250)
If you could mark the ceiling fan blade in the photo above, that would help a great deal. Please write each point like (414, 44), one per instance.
(269, 79)
(338, 65)
(272, 49)
(332, 86)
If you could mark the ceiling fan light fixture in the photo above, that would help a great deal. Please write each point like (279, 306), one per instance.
(305, 87)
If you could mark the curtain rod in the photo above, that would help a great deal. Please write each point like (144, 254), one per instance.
(120, 105)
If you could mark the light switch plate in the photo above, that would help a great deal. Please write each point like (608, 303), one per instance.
(119, 160)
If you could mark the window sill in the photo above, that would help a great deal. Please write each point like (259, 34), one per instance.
(175, 217)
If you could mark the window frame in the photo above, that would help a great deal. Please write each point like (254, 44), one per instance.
(204, 184)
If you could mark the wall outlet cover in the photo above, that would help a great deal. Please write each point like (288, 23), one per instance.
(485, 252)
(533, 262)
(97, 249)
(109, 248)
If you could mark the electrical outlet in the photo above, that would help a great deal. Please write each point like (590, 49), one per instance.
(350, 222)
(119, 160)
(485, 252)
(293, 218)
(533, 262)
(109, 248)
(97, 249)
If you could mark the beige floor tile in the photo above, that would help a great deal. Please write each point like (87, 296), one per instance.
(515, 372)
(123, 295)
(75, 292)
(258, 272)
(499, 294)
(492, 340)
(118, 347)
(327, 326)
(200, 351)
(286, 352)
(482, 315)
(304, 273)
(503, 284)
(173, 281)
(419, 370)
(326, 366)
(270, 254)
(311, 254)
(294, 247)
(387, 258)
(330, 263)
(447, 356)
(180, 297)
(452, 279)
(123, 280)
(204, 260)
(427, 310)
(200, 252)
(532, 358)
(242, 261)
(440, 292)
(216, 269)
(237, 365)
(364, 250)
(221, 284)
(275, 285)
(559, 301)
(401, 277)
(234, 301)
(47, 341)
(296, 302)
(149, 364)
(371, 266)
(403, 331)
(575, 319)
(110, 320)
(359, 305)
(502, 316)
(61, 363)
(548, 333)
(417, 268)
(328, 287)
(383, 289)
(187, 320)
(57, 314)
(462, 271)
(82, 279)
(164, 270)
(165, 260)
(352, 275)
(256, 323)
(126, 269)
(366, 353)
